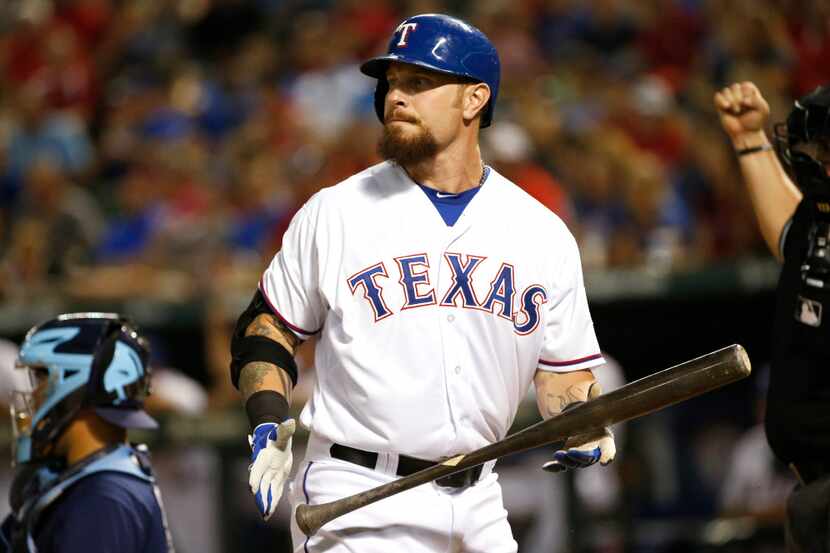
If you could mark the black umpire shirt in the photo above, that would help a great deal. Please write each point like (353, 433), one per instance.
(798, 401)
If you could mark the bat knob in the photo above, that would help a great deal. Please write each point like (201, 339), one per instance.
(307, 519)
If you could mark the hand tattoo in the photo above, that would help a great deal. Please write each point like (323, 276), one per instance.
(556, 403)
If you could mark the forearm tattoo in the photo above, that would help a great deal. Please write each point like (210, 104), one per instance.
(271, 327)
(253, 375)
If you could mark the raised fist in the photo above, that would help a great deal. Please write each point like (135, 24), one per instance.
(742, 109)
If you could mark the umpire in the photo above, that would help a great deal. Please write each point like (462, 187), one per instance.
(79, 487)
(795, 222)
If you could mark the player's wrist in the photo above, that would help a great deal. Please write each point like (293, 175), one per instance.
(266, 406)
(263, 426)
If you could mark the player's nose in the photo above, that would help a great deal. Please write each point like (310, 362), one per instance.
(395, 98)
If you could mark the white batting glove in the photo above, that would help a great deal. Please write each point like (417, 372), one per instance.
(583, 451)
(586, 449)
(271, 462)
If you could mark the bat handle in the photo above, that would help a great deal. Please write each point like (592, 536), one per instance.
(285, 430)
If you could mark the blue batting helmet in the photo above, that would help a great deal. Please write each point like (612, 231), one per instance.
(439, 43)
(79, 360)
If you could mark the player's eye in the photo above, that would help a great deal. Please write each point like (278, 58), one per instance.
(413, 83)
(421, 83)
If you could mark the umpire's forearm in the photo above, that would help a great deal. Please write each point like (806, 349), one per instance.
(774, 196)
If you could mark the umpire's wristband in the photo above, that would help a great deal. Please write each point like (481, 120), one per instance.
(266, 406)
(753, 150)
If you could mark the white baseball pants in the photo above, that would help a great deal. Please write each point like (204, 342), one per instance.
(425, 519)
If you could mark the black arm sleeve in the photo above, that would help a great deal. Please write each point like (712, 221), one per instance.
(248, 349)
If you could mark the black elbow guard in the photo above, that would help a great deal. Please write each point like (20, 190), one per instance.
(249, 349)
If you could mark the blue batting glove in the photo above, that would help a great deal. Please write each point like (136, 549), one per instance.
(583, 451)
(271, 461)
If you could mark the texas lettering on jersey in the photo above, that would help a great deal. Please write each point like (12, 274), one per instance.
(413, 273)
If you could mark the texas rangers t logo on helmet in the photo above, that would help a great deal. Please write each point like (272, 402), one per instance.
(404, 28)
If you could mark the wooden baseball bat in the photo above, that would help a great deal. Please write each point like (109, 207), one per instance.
(636, 399)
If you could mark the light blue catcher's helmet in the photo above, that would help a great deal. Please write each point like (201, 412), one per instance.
(76, 361)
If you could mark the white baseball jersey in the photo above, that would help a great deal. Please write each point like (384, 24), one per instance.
(429, 335)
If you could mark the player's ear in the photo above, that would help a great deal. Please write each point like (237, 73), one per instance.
(476, 96)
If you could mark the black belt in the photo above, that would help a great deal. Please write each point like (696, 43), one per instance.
(406, 466)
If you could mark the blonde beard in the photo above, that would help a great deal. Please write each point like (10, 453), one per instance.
(404, 150)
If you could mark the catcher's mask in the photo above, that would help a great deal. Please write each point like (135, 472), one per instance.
(75, 361)
(803, 141)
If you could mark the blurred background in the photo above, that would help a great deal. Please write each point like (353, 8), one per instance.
(152, 153)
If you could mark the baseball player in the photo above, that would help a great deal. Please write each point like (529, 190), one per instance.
(439, 291)
(78, 486)
(794, 217)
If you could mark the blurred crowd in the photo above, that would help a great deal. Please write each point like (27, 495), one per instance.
(148, 144)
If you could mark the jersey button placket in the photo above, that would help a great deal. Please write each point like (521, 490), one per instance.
(450, 356)
(449, 331)
(452, 362)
